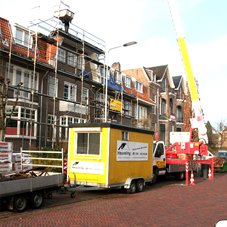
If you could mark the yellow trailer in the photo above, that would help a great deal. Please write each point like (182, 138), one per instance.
(110, 155)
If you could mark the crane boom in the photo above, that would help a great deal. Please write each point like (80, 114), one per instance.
(197, 120)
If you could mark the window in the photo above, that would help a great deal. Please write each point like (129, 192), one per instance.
(179, 114)
(127, 110)
(100, 97)
(153, 108)
(142, 112)
(65, 121)
(22, 37)
(21, 122)
(85, 96)
(69, 91)
(88, 143)
(128, 82)
(171, 106)
(51, 129)
(162, 132)
(139, 87)
(25, 77)
(163, 106)
(80, 62)
(52, 88)
(153, 96)
(163, 85)
(71, 59)
(124, 135)
(159, 150)
(61, 55)
(118, 77)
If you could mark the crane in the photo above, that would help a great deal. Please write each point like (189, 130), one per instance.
(197, 120)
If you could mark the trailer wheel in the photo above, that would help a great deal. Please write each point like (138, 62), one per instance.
(140, 185)
(132, 188)
(36, 200)
(20, 203)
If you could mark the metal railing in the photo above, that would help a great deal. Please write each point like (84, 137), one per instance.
(46, 159)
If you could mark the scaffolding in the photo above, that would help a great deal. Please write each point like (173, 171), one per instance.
(52, 30)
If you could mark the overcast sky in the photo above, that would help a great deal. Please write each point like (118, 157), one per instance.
(149, 23)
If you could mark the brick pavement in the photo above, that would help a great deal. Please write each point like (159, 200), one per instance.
(201, 205)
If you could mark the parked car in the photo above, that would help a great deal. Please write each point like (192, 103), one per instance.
(220, 161)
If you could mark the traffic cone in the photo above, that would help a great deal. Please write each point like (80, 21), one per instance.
(192, 181)
(209, 174)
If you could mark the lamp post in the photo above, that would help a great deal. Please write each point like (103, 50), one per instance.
(106, 72)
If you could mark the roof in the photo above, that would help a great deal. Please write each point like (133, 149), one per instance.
(159, 71)
(111, 125)
(8, 43)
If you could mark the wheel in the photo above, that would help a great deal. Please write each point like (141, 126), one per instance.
(132, 188)
(20, 203)
(36, 200)
(180, 176)
(73, 195)
(140, 185)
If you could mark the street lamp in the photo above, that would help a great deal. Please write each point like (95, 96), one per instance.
(106, 71)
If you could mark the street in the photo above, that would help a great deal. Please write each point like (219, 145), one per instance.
(168, 203)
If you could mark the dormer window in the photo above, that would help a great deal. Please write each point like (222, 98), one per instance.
(139, 87)
(128, 82)
(23, 37)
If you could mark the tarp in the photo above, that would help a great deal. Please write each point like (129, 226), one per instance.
(113, 85)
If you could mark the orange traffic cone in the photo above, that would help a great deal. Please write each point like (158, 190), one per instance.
(209, 174)
(192, 181)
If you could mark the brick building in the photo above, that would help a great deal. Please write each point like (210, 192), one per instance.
(54, 75)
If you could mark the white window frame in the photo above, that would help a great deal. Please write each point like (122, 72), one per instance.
(61, 55)
(127, 108)
(71, 59)
(51, 120)
(139, 86)
(80, 61)
(25, 39)
(85, 96)
(127, 82)
(90, 146)
(142, 112)
(26, 78)
(26, 114)
(66, 121)
(71, 88)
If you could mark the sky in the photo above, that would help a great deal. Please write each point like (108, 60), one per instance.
(149, 23)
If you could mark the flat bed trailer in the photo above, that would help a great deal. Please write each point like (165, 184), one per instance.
(20, 189)
(30, 183)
